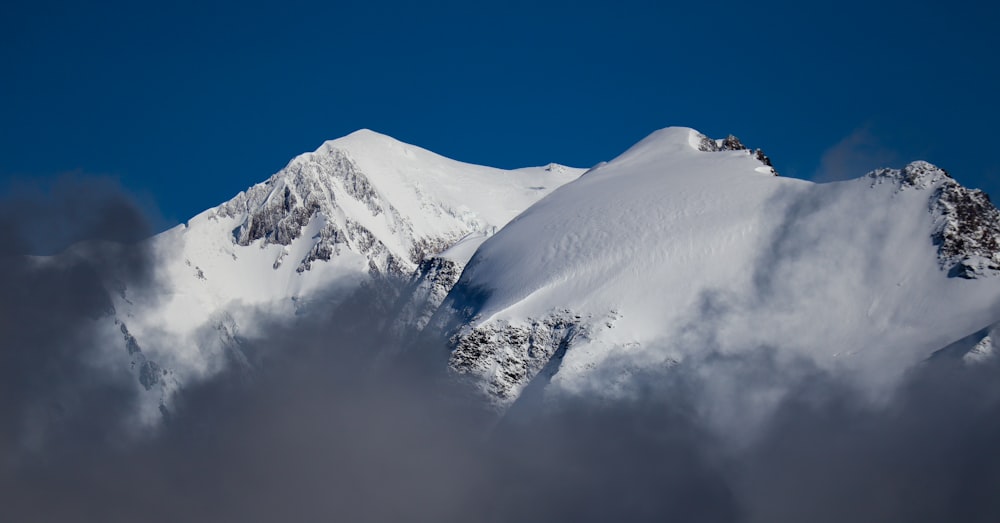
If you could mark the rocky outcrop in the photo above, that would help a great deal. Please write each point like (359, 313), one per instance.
(732, 143)
(426, 290)
(311, 193)
(966, 223)
(152, 376)
(500, 358)
(915, 175)
(967, 231)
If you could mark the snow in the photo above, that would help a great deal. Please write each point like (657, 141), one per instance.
(670, 252)
(688, 252)
(410, 177)
(465, 248)
(210, 285)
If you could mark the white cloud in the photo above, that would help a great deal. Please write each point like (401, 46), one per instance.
(859, 152)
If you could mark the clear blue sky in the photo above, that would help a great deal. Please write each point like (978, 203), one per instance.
(190, 102)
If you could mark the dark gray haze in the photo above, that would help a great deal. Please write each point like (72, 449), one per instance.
(326, 430)
(48, 308)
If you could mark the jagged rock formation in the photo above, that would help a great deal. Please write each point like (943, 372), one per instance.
(968, 232)
(915, 175)
(149, 373)
(501, 357)
(426, 290)
(360, 209)
(966, 226)
(732, 143)
(312, 188)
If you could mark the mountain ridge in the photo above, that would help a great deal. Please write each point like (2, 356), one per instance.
(717, 257)
(680, 245)
(331, 219)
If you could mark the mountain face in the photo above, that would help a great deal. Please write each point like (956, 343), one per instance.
(569, 282)
(675, 250)
(361, 207)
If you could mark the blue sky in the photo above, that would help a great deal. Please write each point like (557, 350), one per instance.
(190, 102)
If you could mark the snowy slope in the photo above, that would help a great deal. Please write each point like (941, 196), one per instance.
(676, 249)
(575, 282)
(363, 203)
(358, 206)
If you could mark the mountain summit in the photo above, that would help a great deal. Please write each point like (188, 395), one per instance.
(674, 250)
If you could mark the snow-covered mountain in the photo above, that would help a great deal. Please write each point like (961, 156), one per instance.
(360, 206)
(573, 282)
(682, 246)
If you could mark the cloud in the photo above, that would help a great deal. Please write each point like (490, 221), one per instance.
(50, 386)
(858, 153)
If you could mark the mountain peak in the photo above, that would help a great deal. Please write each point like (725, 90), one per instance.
(668, 139)
(363, 140)
(923, 174)
(917, 174)
(365, 134)
(360, 143)
(683, 140)
(966, 223)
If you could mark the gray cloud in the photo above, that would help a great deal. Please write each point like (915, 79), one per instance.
(48, 385)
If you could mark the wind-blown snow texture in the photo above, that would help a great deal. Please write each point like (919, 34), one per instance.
(676, 248)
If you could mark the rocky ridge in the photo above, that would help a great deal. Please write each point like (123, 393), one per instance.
(501, 345)
(313, 187)
(966, 223)
(732, 143)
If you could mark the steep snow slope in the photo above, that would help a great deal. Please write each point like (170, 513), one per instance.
(361, 205)
(682, 246)
(676, 249)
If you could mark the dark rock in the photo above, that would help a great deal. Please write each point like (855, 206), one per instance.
(732, 143)
(968, 232)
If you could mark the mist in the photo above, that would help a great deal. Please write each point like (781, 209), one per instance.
(327, 428)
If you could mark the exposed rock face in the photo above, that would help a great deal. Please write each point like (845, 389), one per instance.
(915, 175)
(764, 159)
(732, 143)
(311, 192)
(425, 292)
(968, 232)
(150, 374)
(966, 226)
(361, 203)
(501, 357)
(708, 145)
